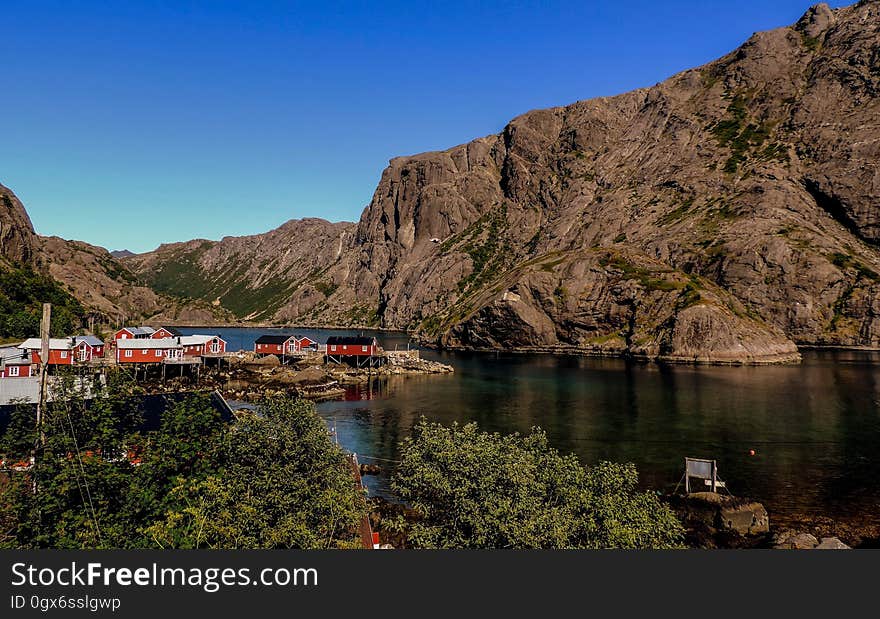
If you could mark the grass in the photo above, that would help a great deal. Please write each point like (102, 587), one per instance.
(811, 43)
(844, 261)
(326, 288)
(740, 136)
(646, 277)
(676, 214)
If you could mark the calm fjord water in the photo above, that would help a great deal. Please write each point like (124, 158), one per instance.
(815, 427)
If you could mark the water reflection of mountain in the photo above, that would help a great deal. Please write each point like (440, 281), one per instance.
(815, 427)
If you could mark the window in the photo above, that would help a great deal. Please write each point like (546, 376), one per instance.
(64, 354)
(128, 353)
(363, 349)
(13, 370)
(144, 351)
(123, 336)
(158, 353)
(333, 347)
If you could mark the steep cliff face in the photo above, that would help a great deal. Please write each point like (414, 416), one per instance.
(256, 277)
(17, 237)
(723, 214)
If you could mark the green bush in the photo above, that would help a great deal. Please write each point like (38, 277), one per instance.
(472, 489)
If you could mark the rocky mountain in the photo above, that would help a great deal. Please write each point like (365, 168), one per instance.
(105, 288)
(121, 253)
(17, 236)
(262, 277)
(729, 213)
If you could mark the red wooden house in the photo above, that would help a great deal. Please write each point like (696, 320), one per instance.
(16, 363)
(163, 332)
(61, 350)
(88, 347)
(131, 333)
(272, 344)
(299, 344)
(202, 345)
(148, 350)
(359, 350)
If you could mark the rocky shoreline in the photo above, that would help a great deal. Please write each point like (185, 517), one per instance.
(711, 521)
(726, 522)
(250, 378)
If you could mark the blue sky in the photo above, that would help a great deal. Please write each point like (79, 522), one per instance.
(129, 124)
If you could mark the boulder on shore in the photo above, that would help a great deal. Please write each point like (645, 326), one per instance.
(725, 513)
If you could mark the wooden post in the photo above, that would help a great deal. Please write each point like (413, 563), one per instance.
(44, 367)
(687, 478)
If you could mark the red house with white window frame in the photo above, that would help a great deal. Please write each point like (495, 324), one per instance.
(147, 350)
(62, 351)
(164, 332)
(299, 344)
(133, 333)
(202, 345)
(17, 363)
(273, 344)
(360, 351)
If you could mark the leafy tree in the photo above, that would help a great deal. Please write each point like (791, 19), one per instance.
(271, 480)
(22, 292)
(282, 483)
(472, 489)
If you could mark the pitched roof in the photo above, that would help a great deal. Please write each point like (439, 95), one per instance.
(272, 339)
(55, 343)
(135, 331)
(163, 343)
(172, 330)
(351, 340)
(197, 340)
(91, 340)
(12, 355)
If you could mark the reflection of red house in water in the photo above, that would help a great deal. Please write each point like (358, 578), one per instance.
(370, 390)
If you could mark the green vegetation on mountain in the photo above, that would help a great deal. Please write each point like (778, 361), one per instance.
(22, 293)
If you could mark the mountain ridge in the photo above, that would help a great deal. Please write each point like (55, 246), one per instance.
(726, 214)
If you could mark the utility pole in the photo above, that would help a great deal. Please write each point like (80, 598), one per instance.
(44, 367)
(41, 405)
